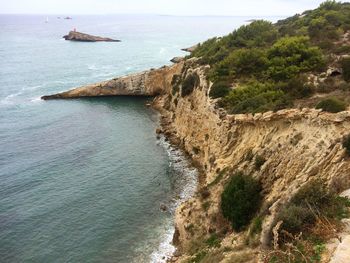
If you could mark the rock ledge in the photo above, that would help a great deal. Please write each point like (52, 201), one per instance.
(78, 36)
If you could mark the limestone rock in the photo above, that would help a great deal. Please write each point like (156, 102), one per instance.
(147, 83)
(342, 253)
(82, 37)
(177, 59)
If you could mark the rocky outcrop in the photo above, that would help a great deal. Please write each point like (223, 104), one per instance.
(190, 49)
(297, 144)
(177, 59)
(82, 37)
(147, 83)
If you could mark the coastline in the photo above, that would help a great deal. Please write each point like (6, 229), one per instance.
(218, 144)
(188, 177)
(214, 140)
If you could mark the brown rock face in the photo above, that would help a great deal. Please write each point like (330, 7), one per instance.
(298, 145)
(78, 36)
(190, 49)
(147, 83)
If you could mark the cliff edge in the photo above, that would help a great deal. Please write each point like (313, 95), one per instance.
(147, 83)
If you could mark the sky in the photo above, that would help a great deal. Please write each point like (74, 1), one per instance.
(165, 7)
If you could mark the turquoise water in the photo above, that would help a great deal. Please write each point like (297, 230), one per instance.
(83, 180)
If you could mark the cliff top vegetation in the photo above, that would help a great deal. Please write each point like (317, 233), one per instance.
(264, 66)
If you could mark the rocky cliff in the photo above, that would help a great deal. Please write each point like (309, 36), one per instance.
(82, 37)
(147, 83)
(297, 145)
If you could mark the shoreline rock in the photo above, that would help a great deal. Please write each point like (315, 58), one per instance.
(177, 59)
(191, 49)
(147, 84)
(82, 37)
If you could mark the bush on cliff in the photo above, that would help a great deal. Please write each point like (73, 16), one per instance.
(332, 105)
(219, 89)
(312, 202)
(345, 63)
(242, 63)
(346, 144)
(275, 54)
(298, 87)
(290, 56)
(255, 97)
(240, 200)
(311, 218)
(189, 84)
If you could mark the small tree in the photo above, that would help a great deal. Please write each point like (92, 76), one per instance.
(240, 200)
(219, 89)
(189, 84)
(332, 105)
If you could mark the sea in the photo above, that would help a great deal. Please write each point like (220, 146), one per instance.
(83, 180)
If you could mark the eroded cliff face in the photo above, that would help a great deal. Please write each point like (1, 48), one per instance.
(297, 144)
(147, 83)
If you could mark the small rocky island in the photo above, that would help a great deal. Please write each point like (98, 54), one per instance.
(78, 36)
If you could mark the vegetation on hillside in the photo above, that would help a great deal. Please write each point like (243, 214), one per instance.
(264, 66)
(240, 200)
(310, 219)
(331, 105)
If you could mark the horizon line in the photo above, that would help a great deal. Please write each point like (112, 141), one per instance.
(149, 14)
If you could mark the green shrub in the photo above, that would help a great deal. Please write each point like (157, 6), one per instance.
(259, 33)
(240, 200)
(298, 87)
(219, 89)
(259, 161)
(346, 144)
(342, 49)
(295, 218)
(189, 84)
(198, 257)
(292, 55)
(244, 62)
(314, 193)
(345, 63)
(213, 241)
(331, 105)
(256, 225)
(310, 201)
(255, 97)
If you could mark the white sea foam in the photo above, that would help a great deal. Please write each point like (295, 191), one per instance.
(162, 50)
(92, 67)
(12, 99)
(187, 187)
(36, 99)
(31, 88)
(9, 99)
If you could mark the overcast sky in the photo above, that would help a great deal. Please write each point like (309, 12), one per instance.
(170, 7)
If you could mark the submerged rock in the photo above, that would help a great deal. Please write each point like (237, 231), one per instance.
(78, 36)
(163, 208)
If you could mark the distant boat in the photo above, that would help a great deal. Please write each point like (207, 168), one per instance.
(47, 20)
(68, 17)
